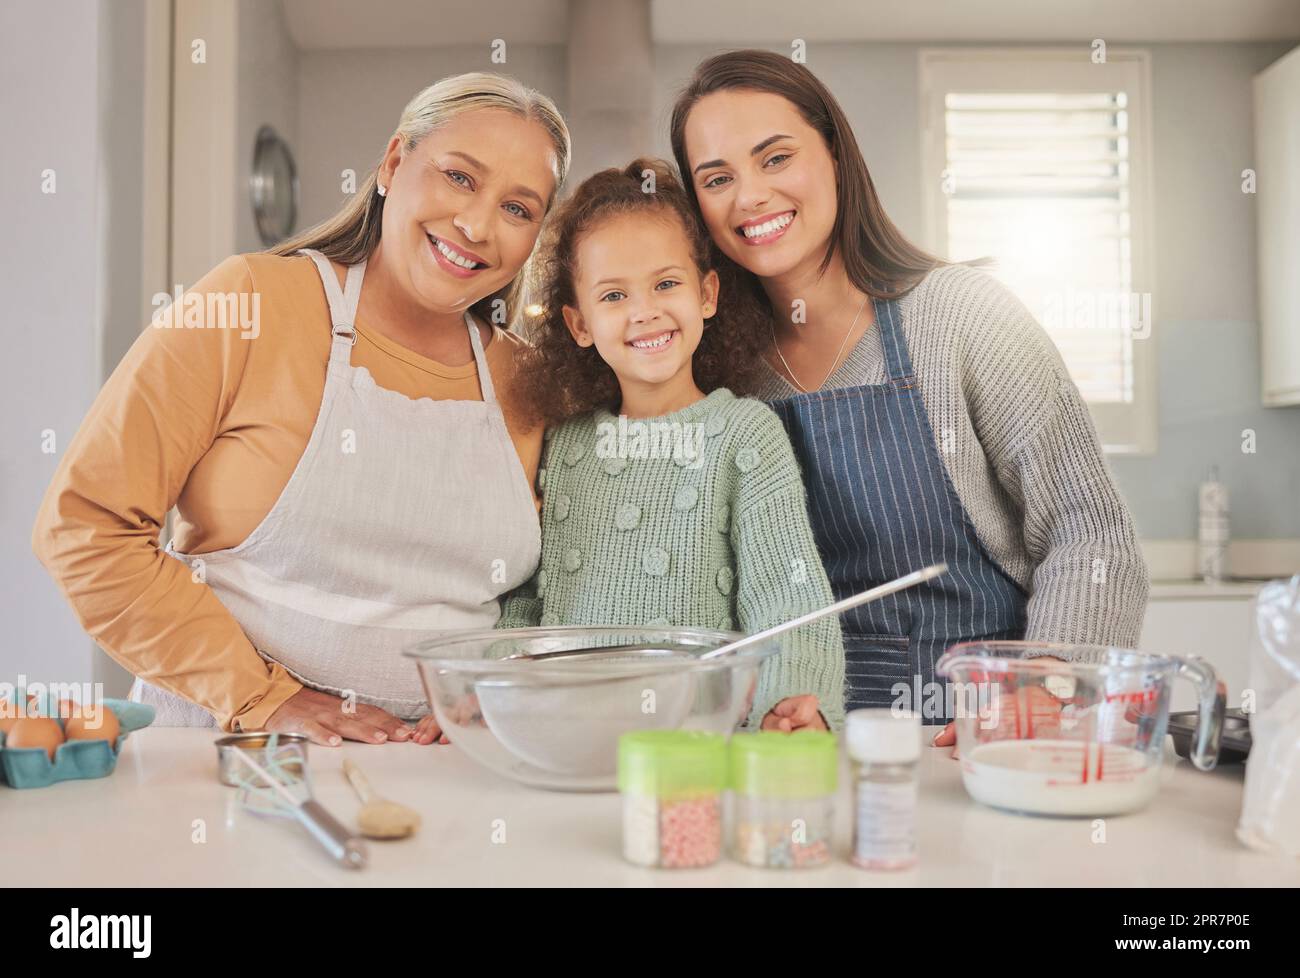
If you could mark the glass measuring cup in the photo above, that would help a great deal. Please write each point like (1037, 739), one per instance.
(1083, 736)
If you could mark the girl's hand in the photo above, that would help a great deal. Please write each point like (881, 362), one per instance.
(464, 712)
(320, 716)
(427, 731)
(795, 713)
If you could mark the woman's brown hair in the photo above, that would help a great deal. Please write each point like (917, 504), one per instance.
(879, 260)
(557, 379)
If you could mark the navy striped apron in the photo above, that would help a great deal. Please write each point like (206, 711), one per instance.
(882, 504)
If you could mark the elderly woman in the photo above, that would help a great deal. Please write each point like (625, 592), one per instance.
(347, 469)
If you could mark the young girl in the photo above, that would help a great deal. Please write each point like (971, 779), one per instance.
(667, 500)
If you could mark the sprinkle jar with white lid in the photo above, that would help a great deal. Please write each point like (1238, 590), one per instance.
(884, 746)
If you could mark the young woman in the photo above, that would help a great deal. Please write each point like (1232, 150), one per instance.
(932, 416)
(345, 473)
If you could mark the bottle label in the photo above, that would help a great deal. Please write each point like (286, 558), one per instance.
(885, 829)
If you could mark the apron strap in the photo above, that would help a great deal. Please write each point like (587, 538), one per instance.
(480, 360)
(898, 361)
(343, 314)
(342, 302)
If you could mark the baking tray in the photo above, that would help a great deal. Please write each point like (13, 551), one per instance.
(1233, 748)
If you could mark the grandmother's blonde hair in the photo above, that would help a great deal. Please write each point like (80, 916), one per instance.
(351, 235)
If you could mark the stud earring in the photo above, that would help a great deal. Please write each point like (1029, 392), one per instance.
(383, 191)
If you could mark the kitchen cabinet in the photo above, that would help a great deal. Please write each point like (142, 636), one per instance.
(1213, 621)
(1277, 208)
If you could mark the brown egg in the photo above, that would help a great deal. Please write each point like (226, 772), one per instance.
(39, 732)
(92, 723)
(11, 713)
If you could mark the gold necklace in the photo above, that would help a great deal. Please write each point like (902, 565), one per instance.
(834, 363)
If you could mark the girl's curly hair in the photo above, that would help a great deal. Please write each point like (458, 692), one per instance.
(557, 379)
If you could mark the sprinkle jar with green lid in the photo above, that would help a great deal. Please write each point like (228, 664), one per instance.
(784, 803)
(672, 783)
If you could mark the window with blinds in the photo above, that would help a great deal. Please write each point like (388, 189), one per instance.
(1039, 181)
(1037, 161)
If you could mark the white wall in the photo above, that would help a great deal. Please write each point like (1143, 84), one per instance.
(54, 269)
(78, 267)
(350, 101)
(248, 78)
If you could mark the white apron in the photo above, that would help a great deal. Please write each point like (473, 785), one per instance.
(402, 518)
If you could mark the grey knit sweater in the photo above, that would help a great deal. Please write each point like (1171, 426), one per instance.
(1021, 450)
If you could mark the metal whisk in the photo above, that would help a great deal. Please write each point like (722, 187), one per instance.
(283, 791)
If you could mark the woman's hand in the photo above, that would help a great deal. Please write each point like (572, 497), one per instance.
(321, 718)
(947, 737)
(1031, 712)
(795, 713)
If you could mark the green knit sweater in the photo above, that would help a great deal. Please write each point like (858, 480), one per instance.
(696, 518)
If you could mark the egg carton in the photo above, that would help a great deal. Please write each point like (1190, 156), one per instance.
(31, 767)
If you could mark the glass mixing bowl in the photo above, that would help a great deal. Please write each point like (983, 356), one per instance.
(554, 723)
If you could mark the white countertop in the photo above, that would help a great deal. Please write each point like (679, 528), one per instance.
(135, 828)
(1197, 590)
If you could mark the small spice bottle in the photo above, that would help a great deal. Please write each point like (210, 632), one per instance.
(672, 783)
(784, 801)
(883, 746)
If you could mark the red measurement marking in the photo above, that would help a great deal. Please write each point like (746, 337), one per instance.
(1101, 759)
(1085, 765)
(1145, 696)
